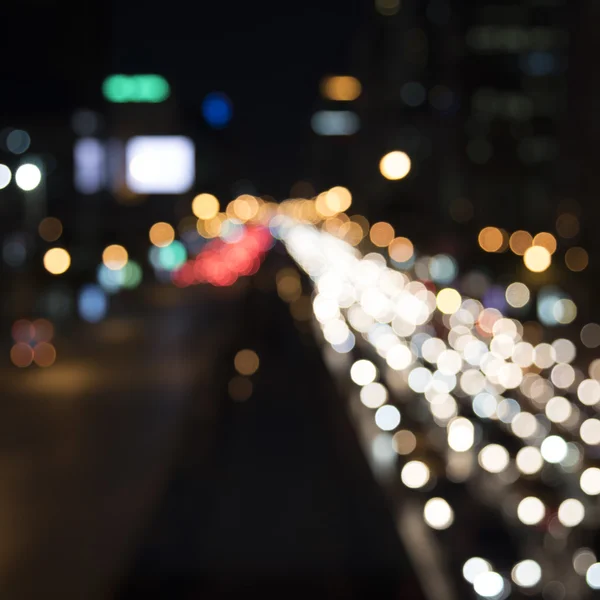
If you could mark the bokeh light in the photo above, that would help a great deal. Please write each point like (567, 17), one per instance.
(415, 474)
(50, 229)
(489, 585)
(527, 573)
(161, 234)
(554, 449)
(529, 460)
(373, 395)
(545, 240)
(404, 442)
(537, 259)
(519, 242)
(589, 481)
(438, 514)
(240, 388)
(21, 355)
(531, 510)
(23, 331)
(18, 141)
(401, 249)
(205, 206)
(381, 234)
(494, 458)
(395, 165)
(246, 362)
(5, 176)
(583, 559)
(217, 109)
(590, 432)
(338, 199)
(57, 261)
(115, 257)
(567, 225)
(592, 576)
(571, 512)
(341, 88)
(590, 335)
(448, 301)
(92, 303)
(363, 372)
(44, 354)
(387, 417)
(474, 567)
(517, 294)
(491, 239)
(28, 177)
(576, 259)
(461, 434)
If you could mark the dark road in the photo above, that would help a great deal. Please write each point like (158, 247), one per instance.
(129, 472)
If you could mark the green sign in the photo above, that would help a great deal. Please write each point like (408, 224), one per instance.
(136, 88)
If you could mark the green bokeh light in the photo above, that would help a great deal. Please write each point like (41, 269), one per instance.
(132, 275)
(172, 256)
(135, 88)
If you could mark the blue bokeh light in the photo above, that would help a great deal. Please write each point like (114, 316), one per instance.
(92, 303)
(217, 110)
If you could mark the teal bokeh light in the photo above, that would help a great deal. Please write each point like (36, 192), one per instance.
(135, 88)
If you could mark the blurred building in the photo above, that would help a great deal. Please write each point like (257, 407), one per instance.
(514, 72)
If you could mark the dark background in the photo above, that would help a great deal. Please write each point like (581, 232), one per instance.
(269, 58)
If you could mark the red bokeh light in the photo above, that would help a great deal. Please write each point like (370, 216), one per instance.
(221, 264)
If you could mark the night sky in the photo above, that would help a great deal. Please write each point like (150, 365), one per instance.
(268, 57)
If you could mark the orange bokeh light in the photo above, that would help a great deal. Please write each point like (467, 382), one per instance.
(21, 355)
(382, 234)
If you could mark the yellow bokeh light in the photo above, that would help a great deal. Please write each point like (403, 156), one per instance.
(448, 301)
(332, 225)
(491, 239)
(395, 165)
(301, 308)
(245, 207)
(341, 88)
(161, 234)
(545, 240)
(401, 249)
(50, 229)
(212, 227)
(57, 261)
(115, 257)
(205, 206)
(520, 241)
(246, 362)
(322, 207)
(338, 199)
(382, 234)
(363, 222)
(537, 259)
(576, 259)
(289, 286)
(351, 232)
